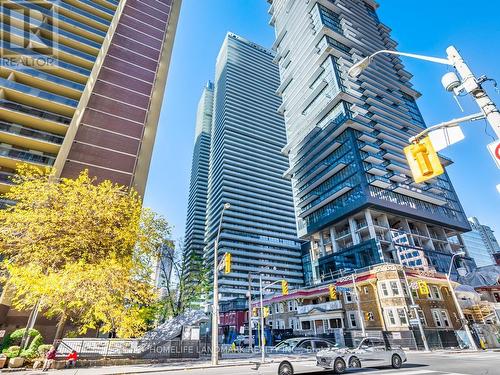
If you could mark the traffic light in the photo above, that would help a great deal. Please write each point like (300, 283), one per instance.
(227, 263)
(284, 287)
(333, 292)
(266, 312)
(423, 288)
(367, 316)
(254, 311)
(423, 160)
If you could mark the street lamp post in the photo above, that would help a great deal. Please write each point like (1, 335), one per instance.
(358, 305)
(463, 321)
(467, 81)
(413, 306)
(215, 305)
(262, 333)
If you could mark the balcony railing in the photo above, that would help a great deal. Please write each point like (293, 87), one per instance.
(26, 156)
(27, 132)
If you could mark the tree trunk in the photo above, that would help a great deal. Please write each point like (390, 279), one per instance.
(60, 327)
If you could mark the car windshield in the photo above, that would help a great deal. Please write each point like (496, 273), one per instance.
(287, 344)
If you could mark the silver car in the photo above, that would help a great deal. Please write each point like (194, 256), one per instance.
(295, 356)
(371, 352)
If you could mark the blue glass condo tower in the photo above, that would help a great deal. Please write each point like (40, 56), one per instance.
(355, 199)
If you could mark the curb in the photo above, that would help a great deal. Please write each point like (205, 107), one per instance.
(162, 369)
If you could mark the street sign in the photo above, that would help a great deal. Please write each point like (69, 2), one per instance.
(2, 333)
(443, 137)
(342, 289)
(494, 149)
(414, 322)
(414, 306)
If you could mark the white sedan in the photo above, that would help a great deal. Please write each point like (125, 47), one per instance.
(371, 352)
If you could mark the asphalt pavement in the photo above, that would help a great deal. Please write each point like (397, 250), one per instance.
(435, 363)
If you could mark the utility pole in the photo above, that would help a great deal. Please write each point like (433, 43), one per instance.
(413, 306)
(262, 336)
(215, 304)
(358, 304)
(250, 336)
(472, 85)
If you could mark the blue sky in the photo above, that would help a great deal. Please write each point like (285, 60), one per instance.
(424, 26)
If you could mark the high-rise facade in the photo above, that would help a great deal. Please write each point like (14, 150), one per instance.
(81, 87)
(82, 84)
(354, 195)
(194, 238)
(480, 243)
(246, 168)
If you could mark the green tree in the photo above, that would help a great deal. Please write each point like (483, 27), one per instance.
(186, 284)
(84, 249)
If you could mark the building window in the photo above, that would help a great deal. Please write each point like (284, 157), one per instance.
(445, 318)
(402, 316)
(306, 325)
(281, 307)
(497, 297)
(348, 297)
(414, 293)
(335, 323)
(391, 317)
(435, 292)
(277, 308)
(441, 318)
(367, 290)
(394, 288)
(383, 287)
(330, 19)
(352, 320)
(422, 317)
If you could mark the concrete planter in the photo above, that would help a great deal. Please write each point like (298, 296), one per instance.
(16, 362)
(3, 361)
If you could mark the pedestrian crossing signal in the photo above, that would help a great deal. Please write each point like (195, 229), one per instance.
(333, 292)
(284, 287)
(423, 160)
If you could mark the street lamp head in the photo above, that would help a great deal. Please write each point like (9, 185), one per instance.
(227, 206)
(460, 253)
(358, 68)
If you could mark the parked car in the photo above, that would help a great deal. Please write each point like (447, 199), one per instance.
(296, 355)
(371, 352)
(241, 341)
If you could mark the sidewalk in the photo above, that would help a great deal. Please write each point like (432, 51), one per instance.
(136, 369)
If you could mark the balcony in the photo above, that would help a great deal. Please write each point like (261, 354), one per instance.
(18, 135)
(327, 306)
(23, 156)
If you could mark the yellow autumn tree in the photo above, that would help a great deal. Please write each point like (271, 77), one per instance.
(83, 250)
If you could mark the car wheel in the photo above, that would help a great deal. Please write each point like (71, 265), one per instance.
(354, 362)
(396, 361)
(339, 366)
(285, 369)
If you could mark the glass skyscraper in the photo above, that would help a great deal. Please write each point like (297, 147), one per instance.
(354, 195)
(480, 243)
(245, 170)
(194, 238)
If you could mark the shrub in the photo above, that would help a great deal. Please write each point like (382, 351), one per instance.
(12, 351)
(43, 349)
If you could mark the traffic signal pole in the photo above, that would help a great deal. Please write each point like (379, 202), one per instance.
(262, 344)
(473, 86)
(358, 304)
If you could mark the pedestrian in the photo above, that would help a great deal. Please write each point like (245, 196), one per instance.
(50, 357)
(71, 359)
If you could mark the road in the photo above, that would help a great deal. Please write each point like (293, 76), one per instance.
(465, 363)
(436, 363)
